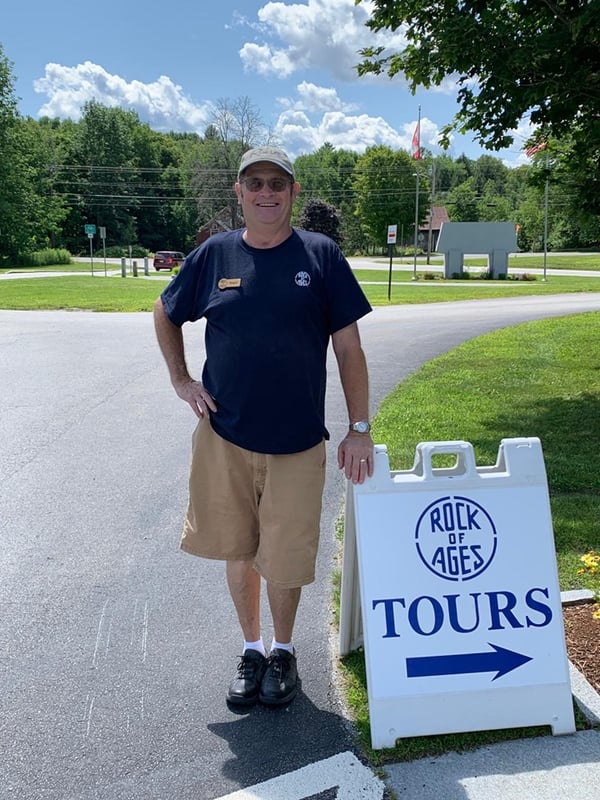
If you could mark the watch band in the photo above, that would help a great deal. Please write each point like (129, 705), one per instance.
(362, 426)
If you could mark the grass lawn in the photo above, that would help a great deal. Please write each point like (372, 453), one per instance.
(535, 379)
(403, 290)
(97, 293)
(82, 292)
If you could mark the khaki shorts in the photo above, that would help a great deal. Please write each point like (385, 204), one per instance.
(246, 506)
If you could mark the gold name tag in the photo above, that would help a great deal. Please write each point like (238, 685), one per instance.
(229, 283)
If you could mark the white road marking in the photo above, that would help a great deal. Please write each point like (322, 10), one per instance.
(353, 780)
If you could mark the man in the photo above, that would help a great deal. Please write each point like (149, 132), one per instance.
(272, 297)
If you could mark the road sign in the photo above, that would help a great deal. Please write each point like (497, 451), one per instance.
(103, 233)
(90, 229)
(391, 234)
(461, 608)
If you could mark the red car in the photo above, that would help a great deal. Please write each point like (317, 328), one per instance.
(167, 259)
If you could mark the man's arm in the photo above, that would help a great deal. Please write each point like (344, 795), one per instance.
(355, 453)
(170, 341)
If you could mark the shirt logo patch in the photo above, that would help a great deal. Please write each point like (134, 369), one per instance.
(302, 279)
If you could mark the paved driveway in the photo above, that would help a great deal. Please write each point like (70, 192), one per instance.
(115, 648)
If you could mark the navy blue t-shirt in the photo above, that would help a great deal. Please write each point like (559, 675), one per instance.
(269, 316)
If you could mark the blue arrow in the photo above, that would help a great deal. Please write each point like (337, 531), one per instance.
(499, 661)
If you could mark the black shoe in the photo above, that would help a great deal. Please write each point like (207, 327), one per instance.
(280, 682)
(244, 688)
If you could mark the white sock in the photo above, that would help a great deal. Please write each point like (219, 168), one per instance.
(289, 646)
(258, 645)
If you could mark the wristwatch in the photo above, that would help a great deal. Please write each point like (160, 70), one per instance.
(362, 426)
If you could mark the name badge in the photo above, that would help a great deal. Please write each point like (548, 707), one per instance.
(229, 283)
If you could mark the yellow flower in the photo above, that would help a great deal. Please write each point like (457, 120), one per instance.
(591, 562)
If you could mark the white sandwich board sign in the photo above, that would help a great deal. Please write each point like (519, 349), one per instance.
(450, 580)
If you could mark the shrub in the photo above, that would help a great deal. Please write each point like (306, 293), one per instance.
(44, 258)
(120, 251)
(320, 216)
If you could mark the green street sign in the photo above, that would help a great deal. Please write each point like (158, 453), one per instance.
(90, 229)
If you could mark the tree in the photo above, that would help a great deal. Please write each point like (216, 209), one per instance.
(327, 174)
(450, 173)
(14, 183)
(462, 202)
(317, 215)
(47, 208)
(107, 177)
(385, 189)
(512, 59)
(235, 127)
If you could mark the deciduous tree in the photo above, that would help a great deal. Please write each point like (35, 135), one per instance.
(511, 59)
(385, 188)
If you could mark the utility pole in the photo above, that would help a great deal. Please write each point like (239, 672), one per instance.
(417, 157)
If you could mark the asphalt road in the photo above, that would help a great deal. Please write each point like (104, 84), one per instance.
(115, 648)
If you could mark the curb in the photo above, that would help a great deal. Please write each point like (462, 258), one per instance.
(586, 697)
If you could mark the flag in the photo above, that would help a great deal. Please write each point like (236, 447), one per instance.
(535, 148)
(416, 142)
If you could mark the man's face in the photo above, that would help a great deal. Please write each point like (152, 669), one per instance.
(266, 194)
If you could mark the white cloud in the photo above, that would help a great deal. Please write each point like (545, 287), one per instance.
(161, 103)
(314, 98)
(299, 134)
(318, 115)
(325, 35)
(266, 61)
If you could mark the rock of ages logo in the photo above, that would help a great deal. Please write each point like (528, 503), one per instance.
(456, 538)
(302, 278)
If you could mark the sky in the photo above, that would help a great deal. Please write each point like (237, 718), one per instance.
(172, 61)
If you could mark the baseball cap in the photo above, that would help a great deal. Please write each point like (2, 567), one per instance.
(271, 154)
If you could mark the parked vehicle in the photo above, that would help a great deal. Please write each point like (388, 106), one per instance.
(167, 259)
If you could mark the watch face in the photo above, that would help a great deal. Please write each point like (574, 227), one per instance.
(361, 427)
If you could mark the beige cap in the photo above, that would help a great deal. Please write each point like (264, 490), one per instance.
(270, 154)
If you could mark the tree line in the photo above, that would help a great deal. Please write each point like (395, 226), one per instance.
(155, 190)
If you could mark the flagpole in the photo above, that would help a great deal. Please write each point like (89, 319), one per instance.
(417, 156)
(546, 216)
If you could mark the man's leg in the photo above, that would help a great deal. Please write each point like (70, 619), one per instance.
(283, 604)
(280, 683)
(244, 587)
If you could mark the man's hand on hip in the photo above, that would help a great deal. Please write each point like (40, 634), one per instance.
(196, 396)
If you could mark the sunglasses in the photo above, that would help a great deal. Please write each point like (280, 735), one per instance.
(274, 184)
